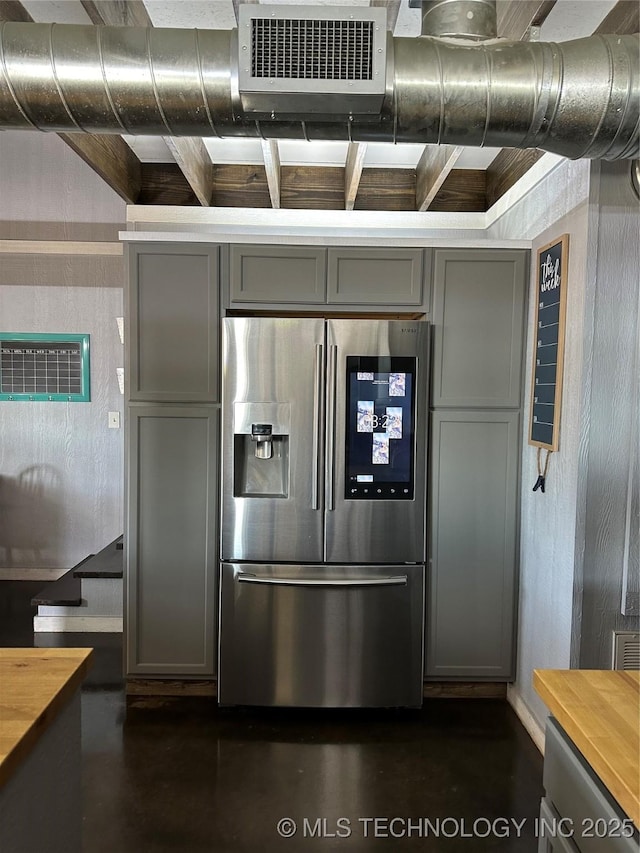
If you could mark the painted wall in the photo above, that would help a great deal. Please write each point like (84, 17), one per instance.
(611, 512)
(548, 545)
(66, 448)
(60, 466)
(48, 193)
(575, 539)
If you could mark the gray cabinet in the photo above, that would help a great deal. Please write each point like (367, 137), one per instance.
(171, 540)
(372, 276)
(350, 279)
(554, 834)
(478, 317)
(582, 807)
(172, 321)
(278, 274)
(479, 299)
(471, 585)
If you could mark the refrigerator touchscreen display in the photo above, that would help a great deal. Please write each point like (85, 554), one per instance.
(380, 426)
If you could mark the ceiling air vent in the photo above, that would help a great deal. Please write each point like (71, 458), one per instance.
(311, 62)
(311, 50)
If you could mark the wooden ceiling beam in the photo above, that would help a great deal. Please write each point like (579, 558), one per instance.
(623, 19)
(189, 153)
(313, 188)
(506, 169)
(271, 156)
(13, 10)
(516, 17)
(192, 157)
(111, 158)
(432, 170)
(354, 164)
(117, 13)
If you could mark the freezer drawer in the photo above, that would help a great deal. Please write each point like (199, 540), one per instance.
(320, 636)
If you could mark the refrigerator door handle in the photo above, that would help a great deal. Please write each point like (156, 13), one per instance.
(391, 580)
(318, 400)
(332, 357)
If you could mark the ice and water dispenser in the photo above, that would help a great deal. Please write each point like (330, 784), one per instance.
(261, 450)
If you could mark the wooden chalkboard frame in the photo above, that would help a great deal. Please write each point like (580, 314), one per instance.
(555, 252)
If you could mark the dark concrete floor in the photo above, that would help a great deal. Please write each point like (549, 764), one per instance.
(196, 779)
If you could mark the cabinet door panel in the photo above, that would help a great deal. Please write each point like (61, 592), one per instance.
(553, 834)
(173, 324)
(580, 797)
(470, 599)
(283, 274)
(478, 315)
(370, 276)
(171, 540)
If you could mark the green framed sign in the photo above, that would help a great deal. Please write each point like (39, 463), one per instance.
(44, 367)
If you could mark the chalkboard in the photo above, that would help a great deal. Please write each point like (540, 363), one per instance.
(548, 350)
(44, 367)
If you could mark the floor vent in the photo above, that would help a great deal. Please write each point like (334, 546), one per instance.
(626, 650)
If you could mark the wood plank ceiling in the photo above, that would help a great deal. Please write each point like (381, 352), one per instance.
(194, 180)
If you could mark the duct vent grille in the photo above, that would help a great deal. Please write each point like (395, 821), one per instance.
(298, 49)
(626, 650)
(316, 63)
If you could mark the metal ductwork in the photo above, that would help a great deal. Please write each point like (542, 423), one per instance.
(469, 19)
(578, 98)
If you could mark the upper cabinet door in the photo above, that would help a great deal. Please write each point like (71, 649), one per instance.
(478, 316)
(173, 323)
(278, 274)
(379, 277)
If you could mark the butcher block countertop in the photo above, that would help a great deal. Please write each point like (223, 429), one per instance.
(35, 684)
(600, 711)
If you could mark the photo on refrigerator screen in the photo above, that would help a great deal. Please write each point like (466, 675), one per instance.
(380, 424)
(365, 416)
(397, 384)
(380, 449)
(394, 422)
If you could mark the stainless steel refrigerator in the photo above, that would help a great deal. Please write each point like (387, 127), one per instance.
(324, 449)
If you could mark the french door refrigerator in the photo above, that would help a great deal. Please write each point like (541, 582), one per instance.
(324, 449)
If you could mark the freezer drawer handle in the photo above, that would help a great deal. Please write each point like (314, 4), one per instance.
(399, 580)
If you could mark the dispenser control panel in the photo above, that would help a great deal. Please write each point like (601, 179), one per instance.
(380, 428)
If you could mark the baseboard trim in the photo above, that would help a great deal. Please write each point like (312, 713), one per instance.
(533, 727)
(431, 690)
(77, 624)
(163, 687)
(464, 690)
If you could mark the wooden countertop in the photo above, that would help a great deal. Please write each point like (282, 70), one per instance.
(35, 684)
(600, 711)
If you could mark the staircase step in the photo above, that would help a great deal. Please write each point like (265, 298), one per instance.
(66, 591)
(107, 563)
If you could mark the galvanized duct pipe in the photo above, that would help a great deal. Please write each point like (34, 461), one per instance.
(469, 19)
(577, 99)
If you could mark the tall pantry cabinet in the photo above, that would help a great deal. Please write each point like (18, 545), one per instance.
(476, 397)
(173, 416)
